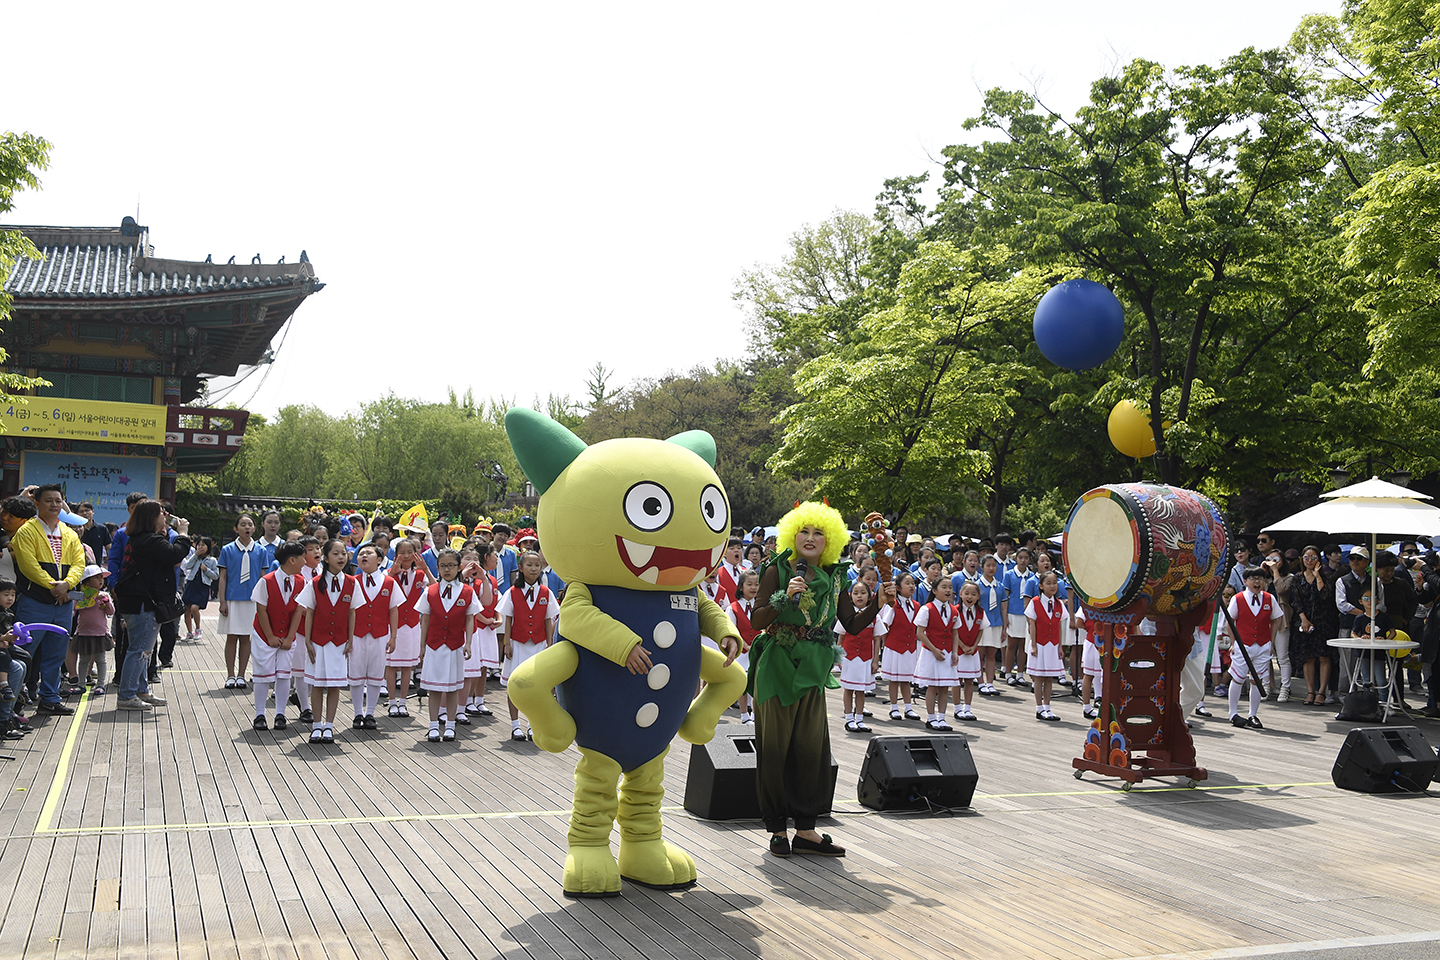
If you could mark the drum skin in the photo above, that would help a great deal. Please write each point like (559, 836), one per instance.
(1145, 548)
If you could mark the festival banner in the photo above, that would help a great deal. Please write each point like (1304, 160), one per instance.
(102, 480)
(85, 420)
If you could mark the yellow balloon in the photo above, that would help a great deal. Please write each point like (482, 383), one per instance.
(1130, 430)
(1403, 637)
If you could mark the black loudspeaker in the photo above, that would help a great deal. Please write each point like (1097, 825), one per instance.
(1384, 760)
(917, 773)
(721, 781)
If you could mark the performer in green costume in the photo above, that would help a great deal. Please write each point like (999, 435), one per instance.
(790, 664)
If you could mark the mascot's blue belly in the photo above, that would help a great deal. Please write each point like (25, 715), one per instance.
(628, 717)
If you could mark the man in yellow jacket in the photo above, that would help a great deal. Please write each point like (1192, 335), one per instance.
(49, 559)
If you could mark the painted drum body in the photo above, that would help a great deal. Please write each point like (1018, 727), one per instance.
(1145, 548)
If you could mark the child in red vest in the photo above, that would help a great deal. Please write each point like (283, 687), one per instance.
(969, 621)
(487, 644)
(728, 573)
(1048, 620)
(857, 668)
(935, 663)
(529, 614)
(377, 615)
(329, 601)
(1257, 617)
(272, 631)
(897, 660)
(748, 587)
(447, 622)
(411, 577)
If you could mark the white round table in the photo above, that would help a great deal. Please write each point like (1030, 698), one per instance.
(1374, 646)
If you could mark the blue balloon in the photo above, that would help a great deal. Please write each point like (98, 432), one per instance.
(1078, 324)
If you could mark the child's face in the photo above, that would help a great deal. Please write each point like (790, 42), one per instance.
(972, 562)
(989, 567)
(245, 528)
(713, 577)
(449, 567)
(7, 599)
(368, 560)
(312, 554)
(405, 554)
(970, 594)
(322, 533)
(96, 582)
(750, 588)
(201, 548)
(271, 524)
(907, 586)
(1051, 586)
(336, 555)
(490, 562)
(532, 568)
(733, 554)
(944, 591)
(860, 593)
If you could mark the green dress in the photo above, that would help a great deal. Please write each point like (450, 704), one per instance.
(796, 653)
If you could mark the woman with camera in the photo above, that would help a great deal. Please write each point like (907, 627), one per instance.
(145, 594)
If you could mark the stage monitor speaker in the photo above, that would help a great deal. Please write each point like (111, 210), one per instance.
(721, 782)
(917, 773)
(1384, 760)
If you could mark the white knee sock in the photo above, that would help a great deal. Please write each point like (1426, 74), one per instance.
(302, 690)
(282, 694)
(357, 698)
(262, 693)
(1235, 697)
(373, 696)
(1254, 699)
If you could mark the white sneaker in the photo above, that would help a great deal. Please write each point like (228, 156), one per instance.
(1283, 695)
(134, 703)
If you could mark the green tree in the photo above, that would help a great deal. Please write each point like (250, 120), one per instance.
(898, 420)
(21, 156)
(1206, 198)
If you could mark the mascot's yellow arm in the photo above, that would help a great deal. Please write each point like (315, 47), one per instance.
(532, 688)
(723, 685)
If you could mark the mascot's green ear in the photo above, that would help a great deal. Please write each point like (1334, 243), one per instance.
(543, 447)
(697, 442)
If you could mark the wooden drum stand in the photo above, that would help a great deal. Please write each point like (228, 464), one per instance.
(1141, 730)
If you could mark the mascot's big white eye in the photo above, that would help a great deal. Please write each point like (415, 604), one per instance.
(648, 506)
(712, 506)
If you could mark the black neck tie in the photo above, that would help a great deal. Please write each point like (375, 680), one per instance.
(529, 594)
(335, 584)
(446, 594)
(369, 580)
(287, 584)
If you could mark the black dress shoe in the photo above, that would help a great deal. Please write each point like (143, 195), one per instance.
(1237, 720)
(1254, 724)
(822, 849)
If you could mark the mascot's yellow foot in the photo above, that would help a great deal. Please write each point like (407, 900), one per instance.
(591, 872)
(656, 863)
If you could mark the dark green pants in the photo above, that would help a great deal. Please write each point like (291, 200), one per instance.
(792, 761)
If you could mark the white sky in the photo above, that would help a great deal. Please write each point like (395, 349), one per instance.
(499, 195)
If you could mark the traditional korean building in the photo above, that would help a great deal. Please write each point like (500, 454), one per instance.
(126, 339)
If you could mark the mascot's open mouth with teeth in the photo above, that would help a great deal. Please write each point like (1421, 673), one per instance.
(667, 566)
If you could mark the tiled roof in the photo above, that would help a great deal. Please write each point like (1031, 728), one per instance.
(110, 263)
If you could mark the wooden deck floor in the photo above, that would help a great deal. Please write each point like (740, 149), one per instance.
(182, 833)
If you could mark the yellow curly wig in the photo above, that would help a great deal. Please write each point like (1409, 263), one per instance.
(811, 514)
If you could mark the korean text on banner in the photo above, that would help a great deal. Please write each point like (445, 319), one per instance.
(85, 420)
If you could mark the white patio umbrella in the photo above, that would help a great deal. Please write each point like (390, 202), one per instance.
(1372, 508)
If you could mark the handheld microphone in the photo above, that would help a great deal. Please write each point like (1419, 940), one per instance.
(802, 567)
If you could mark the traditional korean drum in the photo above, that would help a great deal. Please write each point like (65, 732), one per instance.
(1145, 548)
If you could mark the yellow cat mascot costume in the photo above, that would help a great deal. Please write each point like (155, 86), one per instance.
(632, 526)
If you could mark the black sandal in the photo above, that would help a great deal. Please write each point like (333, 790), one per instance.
(780, 845)
(822, 849)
